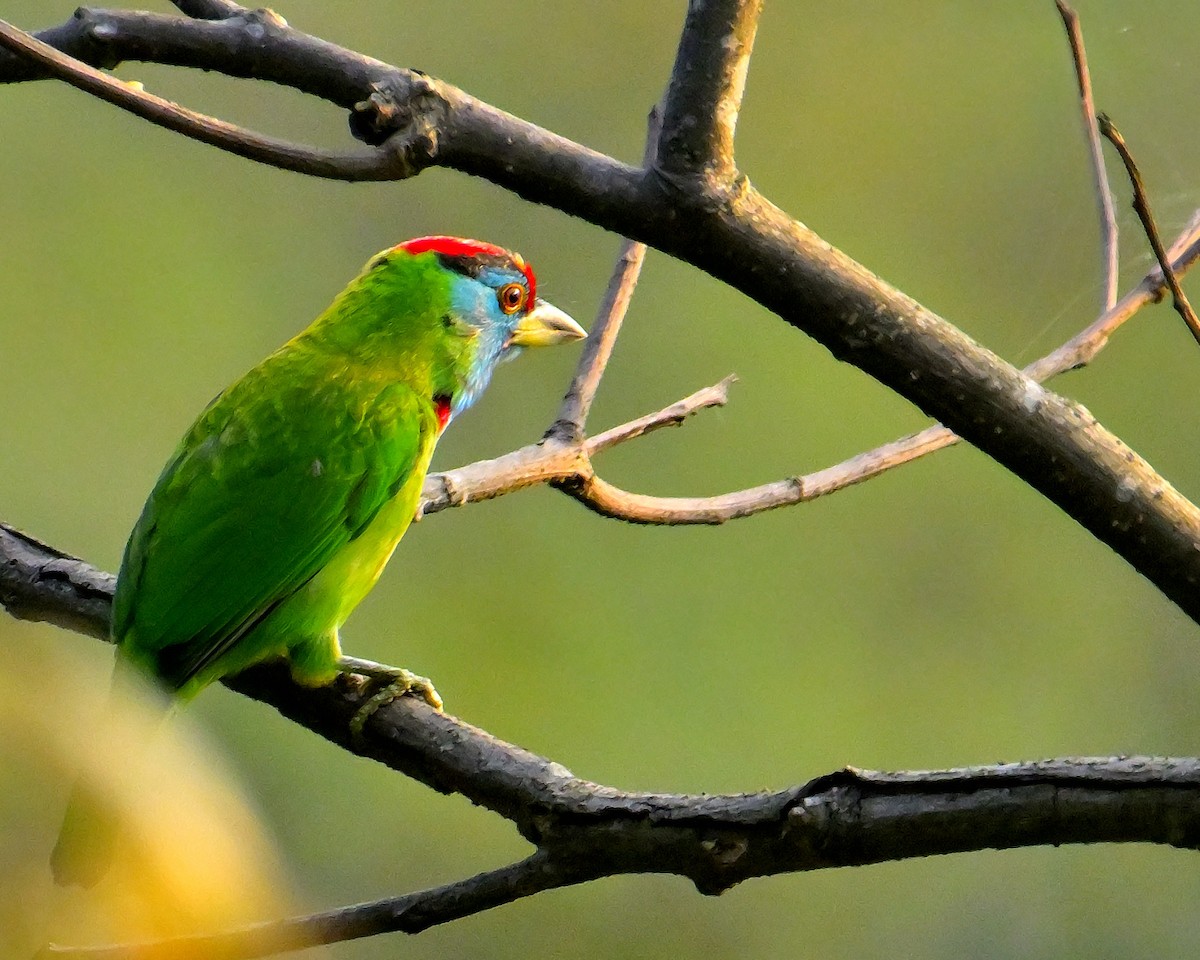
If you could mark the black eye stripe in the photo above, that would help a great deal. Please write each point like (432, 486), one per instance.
(473, 266)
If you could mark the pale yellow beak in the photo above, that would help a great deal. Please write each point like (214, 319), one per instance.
(544, 326)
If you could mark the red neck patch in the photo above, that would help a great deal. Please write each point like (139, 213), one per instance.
(441, 406)
(458, 247)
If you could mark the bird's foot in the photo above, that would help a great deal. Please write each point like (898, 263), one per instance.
(397, 681)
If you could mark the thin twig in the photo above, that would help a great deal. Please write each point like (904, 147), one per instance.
(715, 396)
(1109, 245)
(1141, 204)
(380, 164)
(608, 500)
(549, 460)
(410, 913)
(577, 401)
(1082, 348)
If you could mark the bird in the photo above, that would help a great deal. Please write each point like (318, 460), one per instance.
(283, 502)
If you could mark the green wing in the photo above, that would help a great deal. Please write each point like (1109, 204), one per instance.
(279, 474)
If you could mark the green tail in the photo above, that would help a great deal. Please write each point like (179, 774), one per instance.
(87, 840)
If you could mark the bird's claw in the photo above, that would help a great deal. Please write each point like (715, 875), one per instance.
(398, 683)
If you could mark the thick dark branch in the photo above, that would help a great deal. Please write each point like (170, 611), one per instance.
(250, 45)
(43, 584)
(705, 93)
(553, 808)
(585, 830)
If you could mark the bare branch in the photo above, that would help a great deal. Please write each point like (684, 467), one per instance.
(715, 396)
(249, 45)
(1109, 245)
(577, 402)
(1141, 204)
(551, 459)
(41, 583)
(705, 94)
(610, 501)
(381, 164)
(410, 913)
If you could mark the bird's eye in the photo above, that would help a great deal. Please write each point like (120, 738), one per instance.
(511, 297)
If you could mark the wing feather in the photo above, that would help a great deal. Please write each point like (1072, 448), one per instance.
(265, 489)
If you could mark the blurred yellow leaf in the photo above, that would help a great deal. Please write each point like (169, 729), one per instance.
(191, 856)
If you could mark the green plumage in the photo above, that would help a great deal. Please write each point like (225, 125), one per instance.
(287, 496)
(284, 500)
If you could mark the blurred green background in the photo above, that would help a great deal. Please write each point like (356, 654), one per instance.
(943, 614)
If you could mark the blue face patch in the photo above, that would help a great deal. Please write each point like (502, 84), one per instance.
(474, 301)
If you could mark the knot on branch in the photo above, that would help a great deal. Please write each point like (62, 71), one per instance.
(255, 29)
(263, 16)
(97, 35)
(565, 431)
(408, 103)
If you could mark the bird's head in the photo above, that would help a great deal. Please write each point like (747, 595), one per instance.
(455, 309)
